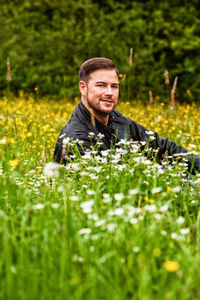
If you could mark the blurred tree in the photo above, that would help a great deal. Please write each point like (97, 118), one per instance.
(48, 40)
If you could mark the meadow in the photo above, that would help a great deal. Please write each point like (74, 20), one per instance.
(116, 226)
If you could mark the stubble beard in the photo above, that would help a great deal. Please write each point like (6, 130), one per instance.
(97, 111)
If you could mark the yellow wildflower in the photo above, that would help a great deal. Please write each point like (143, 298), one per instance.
(171, 266)
(11, 140)
(13, 163)
(146, 198)
(151, 201)
(29, 134)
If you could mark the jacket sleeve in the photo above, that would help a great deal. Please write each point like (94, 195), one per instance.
(140, 133)
(58, 151)
(178, 151)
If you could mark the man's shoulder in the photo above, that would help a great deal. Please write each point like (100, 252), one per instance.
(119, 117)
(72, 129)
(76, 127)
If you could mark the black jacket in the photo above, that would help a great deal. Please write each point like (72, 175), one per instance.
(118, 128)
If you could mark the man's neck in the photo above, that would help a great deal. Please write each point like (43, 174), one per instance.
(101, 118)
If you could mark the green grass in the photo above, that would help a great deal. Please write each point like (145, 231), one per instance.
(101, 229)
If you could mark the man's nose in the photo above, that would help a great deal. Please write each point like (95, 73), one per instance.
(109, 90)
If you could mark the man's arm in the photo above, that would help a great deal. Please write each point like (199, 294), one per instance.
(58, 151)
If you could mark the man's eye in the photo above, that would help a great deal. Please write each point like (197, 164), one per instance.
(115, 87)
(100, 85)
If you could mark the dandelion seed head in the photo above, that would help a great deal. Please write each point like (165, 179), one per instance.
(52, 170)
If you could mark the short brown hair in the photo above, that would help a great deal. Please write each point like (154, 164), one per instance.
(93, 64)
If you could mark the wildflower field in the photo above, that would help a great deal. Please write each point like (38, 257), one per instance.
(116, 226)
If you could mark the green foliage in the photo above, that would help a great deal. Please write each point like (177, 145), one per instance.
(47, 41)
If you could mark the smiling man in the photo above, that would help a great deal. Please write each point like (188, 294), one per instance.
(95, 116)
(99, 93)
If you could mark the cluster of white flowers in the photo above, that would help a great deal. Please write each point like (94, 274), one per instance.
(115, 207)
(87, 206)
(118, 196)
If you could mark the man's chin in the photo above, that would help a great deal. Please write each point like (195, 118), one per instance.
(103, 110)
(107, 108)
(107, 111)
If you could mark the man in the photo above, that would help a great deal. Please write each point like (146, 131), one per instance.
(96, 116)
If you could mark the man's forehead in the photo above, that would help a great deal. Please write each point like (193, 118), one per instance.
(104, 75)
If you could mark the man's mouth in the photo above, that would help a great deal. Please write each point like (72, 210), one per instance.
(107, 100)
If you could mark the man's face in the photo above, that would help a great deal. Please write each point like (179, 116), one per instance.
(102, 91)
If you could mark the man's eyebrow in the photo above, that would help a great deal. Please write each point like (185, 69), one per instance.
(114, 83)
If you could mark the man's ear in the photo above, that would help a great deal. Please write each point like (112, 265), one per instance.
(82, 88)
